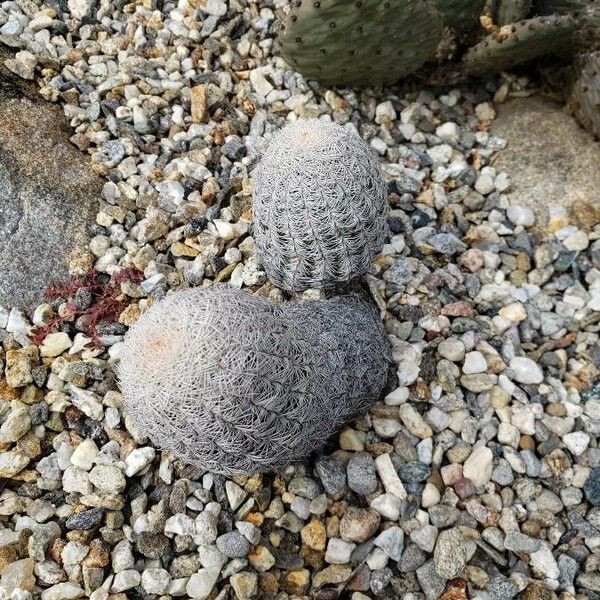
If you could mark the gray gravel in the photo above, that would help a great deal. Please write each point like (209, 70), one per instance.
(478, 472)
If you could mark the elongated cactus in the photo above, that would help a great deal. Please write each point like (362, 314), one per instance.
(520, 43)
(343, 42)
(461, 15)
(319, 206)
(558, 7)
(235, 383)
(584, 99)
(510, 11)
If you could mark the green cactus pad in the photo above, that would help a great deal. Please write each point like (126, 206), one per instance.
(360, 42)
(584, 99)
(557, 7)
(520, 43)
(461, 15)
(511, 11)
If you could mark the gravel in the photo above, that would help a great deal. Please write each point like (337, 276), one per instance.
(478, 471)
(362, 478)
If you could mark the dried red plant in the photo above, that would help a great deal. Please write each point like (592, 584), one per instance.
(107, 303)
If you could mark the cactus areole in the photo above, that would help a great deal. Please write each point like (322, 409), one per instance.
(360, 42)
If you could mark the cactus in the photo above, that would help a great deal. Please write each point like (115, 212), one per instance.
(319, 206)
(557, 7)
(461, 15)
(237, 384)
(584, 99)
(364, 42)
(520, 43)
(510, 11)
(353, 42)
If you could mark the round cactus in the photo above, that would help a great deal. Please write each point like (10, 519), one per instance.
(235, 383)
(319, 206)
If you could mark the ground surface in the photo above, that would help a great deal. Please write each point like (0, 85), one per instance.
(476, 475)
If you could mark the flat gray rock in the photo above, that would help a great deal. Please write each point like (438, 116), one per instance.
(549, 158)
(48, 195)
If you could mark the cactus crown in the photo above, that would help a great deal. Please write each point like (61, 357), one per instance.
(319, 206)
(235, 383)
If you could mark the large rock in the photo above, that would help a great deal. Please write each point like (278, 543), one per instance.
(48, 194)
(549, 158)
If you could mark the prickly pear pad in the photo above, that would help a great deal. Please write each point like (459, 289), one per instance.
(521, 42)
(360, 42)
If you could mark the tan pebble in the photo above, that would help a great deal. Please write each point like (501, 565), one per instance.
(556, 409)
(531, 528)
(455, 590)
(523, 261)
(181, 249)
(334, 574)
(350, 439)
(7, 392)
(297, 582)
(526, 442)
(8, 555)
(514, 312)
(518, 278)
(30, 445)
(255, 518)
(130, 315)
(498, 397)
(333, 526)
(56, 549)
(275, 538)
(18, 368)
(314, 534)
(477, 576)
(268, 583)
(80, 263)
(99, 554)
